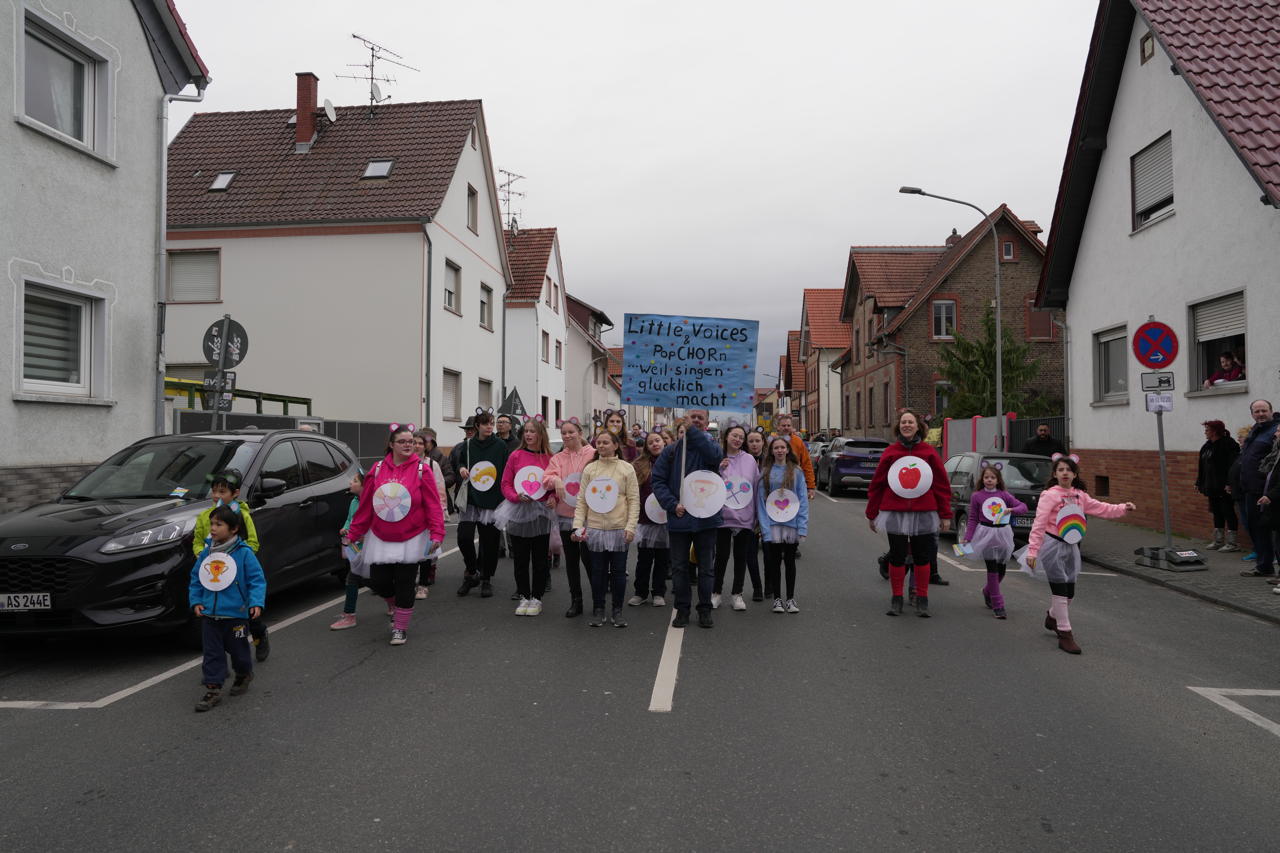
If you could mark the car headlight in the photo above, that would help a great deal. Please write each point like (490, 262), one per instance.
(160, 535)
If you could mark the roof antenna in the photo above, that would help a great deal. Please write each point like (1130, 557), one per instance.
(506, 194)
(377, 53)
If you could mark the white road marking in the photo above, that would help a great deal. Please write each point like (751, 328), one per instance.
(828, 497)
(36, 705)
(664, 684)
(1218, 696)
(1013, 569)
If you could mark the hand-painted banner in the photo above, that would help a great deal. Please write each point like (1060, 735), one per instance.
(689, 362)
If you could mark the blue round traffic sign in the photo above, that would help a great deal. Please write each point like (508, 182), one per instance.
(1155, 345)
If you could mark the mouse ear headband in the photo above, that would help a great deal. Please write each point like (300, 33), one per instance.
(234, 506)
(538, 417)
(989, 463)
(573, 420)
(397, 427)
(480, 410)
(1055, 457)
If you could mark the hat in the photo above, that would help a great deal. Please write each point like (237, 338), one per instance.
(470, 423)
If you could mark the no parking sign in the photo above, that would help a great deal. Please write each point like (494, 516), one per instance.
(1155, 345)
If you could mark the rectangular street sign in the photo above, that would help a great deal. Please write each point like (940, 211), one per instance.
(1157, 380)
(1160, 402)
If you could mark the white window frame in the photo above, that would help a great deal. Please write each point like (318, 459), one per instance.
(933, 323)
(555, 297)
(547, 298)
(546, 347)
(452, 287)
(484, 393)
(95, 351)
(186, 254)
(486, 307)
(1153, 199)
(1215, 324)
(473, 210)
(221, 182)
(1100, 342)
(559, 354)
(378, 169)
(100, 60)
(453, 413)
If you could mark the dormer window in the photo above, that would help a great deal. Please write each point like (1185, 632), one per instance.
(221, 182)
(377, 169)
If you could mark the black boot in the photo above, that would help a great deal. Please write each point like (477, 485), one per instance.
(935, 579)
(469, 582)
(575, 609)
(895, 606)
(486, 589)
(922, 606)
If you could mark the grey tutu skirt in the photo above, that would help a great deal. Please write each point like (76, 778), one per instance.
(524, 518)
(903, 523)
(780, 534)
(1058, 561)
(477, 515)
(651, 536)
(992, 543)
(565, 522)
(606, 540)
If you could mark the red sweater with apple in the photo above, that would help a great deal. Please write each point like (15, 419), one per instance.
(881, 495)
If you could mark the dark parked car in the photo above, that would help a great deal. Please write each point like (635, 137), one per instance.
(849, 463)
(115, 550)
(1024, 475)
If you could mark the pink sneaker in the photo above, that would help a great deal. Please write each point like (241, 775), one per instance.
(346, 620)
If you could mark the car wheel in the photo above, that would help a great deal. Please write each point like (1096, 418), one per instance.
(832, 488)
(958, 525)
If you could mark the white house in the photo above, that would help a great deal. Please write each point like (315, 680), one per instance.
(1167, 210)
(588, 390)
(537, 322)
(79, 229)
(363, 254)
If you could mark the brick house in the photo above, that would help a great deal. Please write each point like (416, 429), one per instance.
(905, 304)
(1167, 209)
(823, 337)
(791, 389)
(536, 322)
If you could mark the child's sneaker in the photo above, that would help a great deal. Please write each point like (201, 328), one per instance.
(212, 697)
(778, 606)
(635, 601)
(715, 601)
(738, 603)
(241, 685)
(399, 637)
(420, 593)
(345, 621)
(535, 607)
(1000, 614)
(792, 607)
(659, 601)
(523, 609)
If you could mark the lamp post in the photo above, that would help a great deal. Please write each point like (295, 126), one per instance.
(995, 237)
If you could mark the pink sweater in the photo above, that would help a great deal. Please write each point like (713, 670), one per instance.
(563, 464)
(517, 460)
(1053, 499)
(424, 514)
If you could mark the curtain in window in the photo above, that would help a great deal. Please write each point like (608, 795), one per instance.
(54, 87)
(51, 334)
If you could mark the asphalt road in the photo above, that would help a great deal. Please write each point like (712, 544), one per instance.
(835, 729)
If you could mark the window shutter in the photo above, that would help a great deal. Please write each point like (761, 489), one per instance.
(452, 392)
(51, 340)
(1153, 174)
(194, 277)
(1219, 318)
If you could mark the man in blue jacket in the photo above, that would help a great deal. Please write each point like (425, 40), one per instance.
(695, 451)
(1253, 484)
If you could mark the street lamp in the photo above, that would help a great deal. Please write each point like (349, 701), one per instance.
(999, 335)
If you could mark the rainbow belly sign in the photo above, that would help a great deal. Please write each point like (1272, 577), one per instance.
(1070, 525)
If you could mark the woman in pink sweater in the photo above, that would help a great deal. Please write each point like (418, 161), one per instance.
(564, 477)
(527, 514)
(1054, 544)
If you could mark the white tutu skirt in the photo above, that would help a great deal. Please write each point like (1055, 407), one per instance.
(355, 559)
(652, 536)
(606, 540)
(375, 551)
(903, 523)
(565, 522)
(1057, 562)
(992, 543)
(780, 534)
(524, 518)
(477, 515)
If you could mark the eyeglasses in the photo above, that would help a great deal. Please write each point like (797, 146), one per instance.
(404, 441)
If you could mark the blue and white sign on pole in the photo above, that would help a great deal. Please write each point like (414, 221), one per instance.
(689, 362)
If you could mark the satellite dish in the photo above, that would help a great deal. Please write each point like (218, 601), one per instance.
(377, 93)
(330, 111)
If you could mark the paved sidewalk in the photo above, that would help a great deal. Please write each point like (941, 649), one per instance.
(1110, 545)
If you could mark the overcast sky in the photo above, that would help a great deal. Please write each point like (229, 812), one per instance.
(711, 158)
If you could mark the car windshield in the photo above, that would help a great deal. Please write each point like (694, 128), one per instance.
(163, 469)
(1025, 473)
(859, 445)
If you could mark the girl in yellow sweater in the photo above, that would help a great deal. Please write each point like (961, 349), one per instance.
(605, 518)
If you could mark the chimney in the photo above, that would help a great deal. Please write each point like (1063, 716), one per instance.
(953, 238)
(305, 128)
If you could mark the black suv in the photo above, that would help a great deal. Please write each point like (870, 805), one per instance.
(115, 550)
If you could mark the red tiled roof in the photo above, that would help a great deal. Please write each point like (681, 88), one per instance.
(615, 361)
(795, 366)
(892, 274)
(196, 60)
(1228, 51)
(529, 253)
(275, 185)
(822, 309)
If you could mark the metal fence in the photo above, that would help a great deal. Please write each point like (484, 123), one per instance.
(960, 435)
(1023, 429)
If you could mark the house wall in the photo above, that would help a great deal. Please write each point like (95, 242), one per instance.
(585, 395)
(866, 373)
(1218, 240)
(84, 225)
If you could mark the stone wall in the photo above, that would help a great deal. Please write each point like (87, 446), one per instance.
(23, 486)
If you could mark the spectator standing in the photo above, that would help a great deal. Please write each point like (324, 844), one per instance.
(1253, 480)
(1217, 455)
(1044, 444)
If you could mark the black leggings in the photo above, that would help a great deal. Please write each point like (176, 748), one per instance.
(487, 560)
(576, 561)
(743, 544)
(394, 579)
(924, 549)
(775, 554)
(524, 549)
(1066, 589)
(993, 566)
(1223, 509)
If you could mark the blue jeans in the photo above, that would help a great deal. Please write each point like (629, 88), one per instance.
(651, 571)
(608, 572)
(1260, 533)
(220, 638)
(703, 543)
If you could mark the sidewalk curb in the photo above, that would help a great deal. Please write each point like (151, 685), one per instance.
(1133, 572)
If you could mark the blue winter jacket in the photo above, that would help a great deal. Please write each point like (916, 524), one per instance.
(703, 455)
(249, 589)
(774, 481)
(1256, 445)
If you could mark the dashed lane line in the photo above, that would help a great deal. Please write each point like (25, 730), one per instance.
(662, 699)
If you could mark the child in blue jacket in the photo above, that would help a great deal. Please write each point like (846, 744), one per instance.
(782, 510)
(227, 589)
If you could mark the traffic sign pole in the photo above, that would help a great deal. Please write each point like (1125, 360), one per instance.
(1164, 483)
(219, 416)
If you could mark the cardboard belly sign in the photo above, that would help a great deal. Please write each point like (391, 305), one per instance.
(602, 494)
(702, 493)
(392, 502)
(910, 477)
(738, 493)
(996, 511)
(217, 571)
(782, 505)
(1070, 524)
(483, 475)
(528, 482)
(655, 510)
(572, 487)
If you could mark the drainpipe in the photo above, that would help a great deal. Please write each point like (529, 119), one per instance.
(162, 258)
(426, 342)
(1066, 379)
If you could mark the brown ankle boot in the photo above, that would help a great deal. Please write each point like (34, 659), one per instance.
(1050, 624)
(1067, 643)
